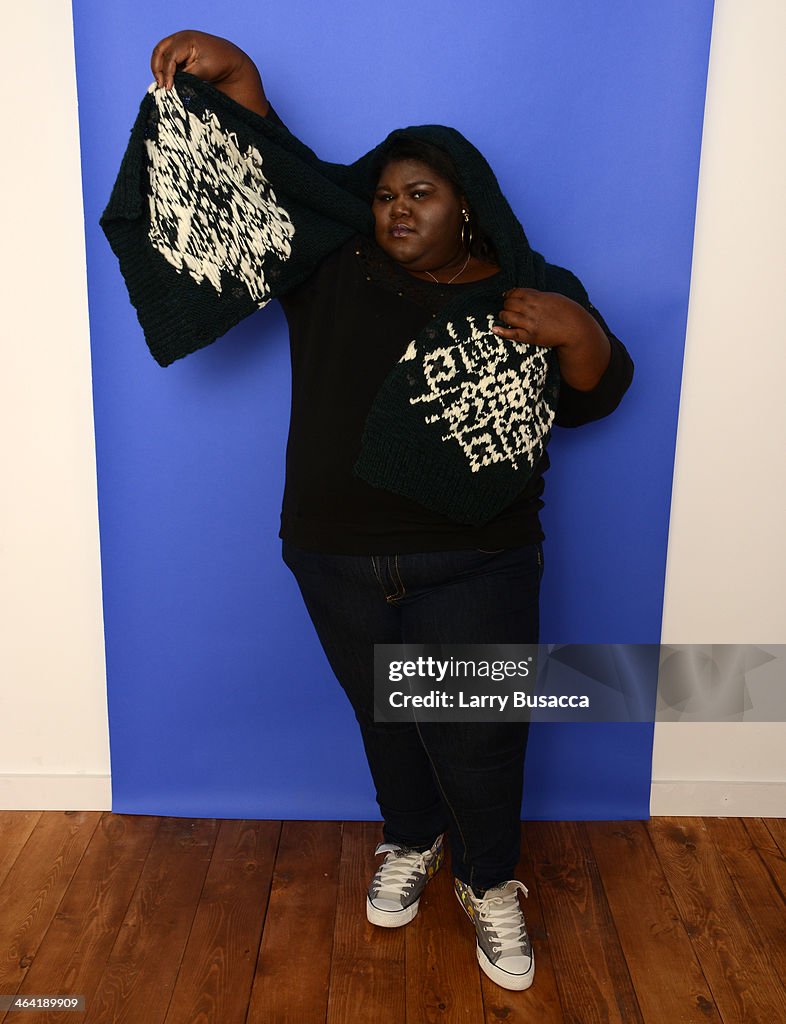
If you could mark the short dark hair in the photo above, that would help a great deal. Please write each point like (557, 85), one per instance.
(406, 147)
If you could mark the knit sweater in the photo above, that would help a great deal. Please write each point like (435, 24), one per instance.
(217, 210)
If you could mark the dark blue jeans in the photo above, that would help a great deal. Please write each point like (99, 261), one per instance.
(431, 777)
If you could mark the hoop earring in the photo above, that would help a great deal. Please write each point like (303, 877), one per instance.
(466, 229)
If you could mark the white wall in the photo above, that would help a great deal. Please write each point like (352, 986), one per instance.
(726, 575)
(726, 555)
(55, 749)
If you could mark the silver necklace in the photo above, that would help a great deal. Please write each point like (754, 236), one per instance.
(466, 264)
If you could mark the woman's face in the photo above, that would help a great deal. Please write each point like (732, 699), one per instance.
(418, 216)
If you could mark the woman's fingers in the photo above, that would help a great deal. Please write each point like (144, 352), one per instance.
(167, 55)
(514, 326)
(519, 334)
(519, 321)
(210, 58)
(505, 332)
(522, 318)
(157, 61)
(520, 294)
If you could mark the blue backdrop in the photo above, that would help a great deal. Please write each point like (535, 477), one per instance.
(220, 700)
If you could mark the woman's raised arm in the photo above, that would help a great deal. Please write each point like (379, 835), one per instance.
(214, 60)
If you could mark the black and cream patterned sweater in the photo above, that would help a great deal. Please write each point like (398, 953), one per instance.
(216, 211)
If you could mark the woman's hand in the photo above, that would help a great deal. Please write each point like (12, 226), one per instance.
(555, 321)
(214, 60)
(544, 318)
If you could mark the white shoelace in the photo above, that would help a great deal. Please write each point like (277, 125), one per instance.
(503, 913)
(399, 868)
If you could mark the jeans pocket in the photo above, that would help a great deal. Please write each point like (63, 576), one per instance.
(495, 551)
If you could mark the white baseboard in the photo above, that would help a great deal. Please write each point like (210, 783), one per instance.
(55, 792)
(712, 798)
(718, 799)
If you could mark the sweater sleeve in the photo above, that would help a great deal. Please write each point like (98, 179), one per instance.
(575, 407)
(215, 211)
(272, 115)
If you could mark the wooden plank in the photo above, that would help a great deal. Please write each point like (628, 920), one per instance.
(769, 851)
(217, 971)
(591, 972)
(15, 829)
(74, 951)
(34, 887)
(293, 969)
(777, 829)
(176, 941)
(754, 886)
(744, 985)
(139, 976)
(367, 977)
(443, 977)
(665, 972)
(540, 1002)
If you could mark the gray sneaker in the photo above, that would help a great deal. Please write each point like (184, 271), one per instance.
(503, 947)
(394, 893)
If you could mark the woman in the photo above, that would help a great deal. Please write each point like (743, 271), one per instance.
(427, 349)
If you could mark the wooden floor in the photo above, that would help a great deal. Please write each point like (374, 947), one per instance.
(183, 921)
